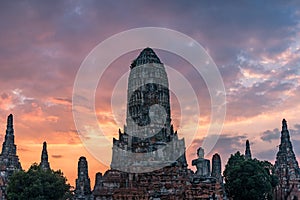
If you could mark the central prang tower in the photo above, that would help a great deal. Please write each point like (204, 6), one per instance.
(149, 141)
(148, 107)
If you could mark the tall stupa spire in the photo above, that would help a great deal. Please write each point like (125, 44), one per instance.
(44, 157)
(9, 142)
(284, 124)
(9, 161)
(148, 87)
(286, 166)
(248, 150)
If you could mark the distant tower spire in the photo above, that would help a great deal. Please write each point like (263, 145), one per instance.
(44, 158)
(83, 183)
(248, 150)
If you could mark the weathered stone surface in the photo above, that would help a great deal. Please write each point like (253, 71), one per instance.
(217, 167)
(287, 168)
(44, 158)
(146, 56)
(168, 183)
(149, 141)
(83, 183)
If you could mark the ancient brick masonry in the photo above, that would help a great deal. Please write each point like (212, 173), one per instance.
(171, 182)
(83, 183)
(9, 161)
(287, 168)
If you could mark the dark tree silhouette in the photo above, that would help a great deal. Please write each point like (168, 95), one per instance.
(38, 184)
(249, 179)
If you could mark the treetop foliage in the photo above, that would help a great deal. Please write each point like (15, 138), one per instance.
(38, 184)
(249, 179)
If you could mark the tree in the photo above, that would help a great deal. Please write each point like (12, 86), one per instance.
(249, 179)
(38, 184)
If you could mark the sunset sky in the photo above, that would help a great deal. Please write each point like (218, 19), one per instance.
(255, 45)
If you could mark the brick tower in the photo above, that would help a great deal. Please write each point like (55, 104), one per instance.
(287, 168)
(148, 129)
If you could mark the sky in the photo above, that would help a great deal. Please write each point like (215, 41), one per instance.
(254, 44)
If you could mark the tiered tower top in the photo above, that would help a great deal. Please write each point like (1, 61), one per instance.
(146, 56)
(286, 165)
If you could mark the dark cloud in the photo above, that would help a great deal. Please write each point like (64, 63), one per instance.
(56, 156)
(63, 99)
(46, 42)
(275, 134)
(270, 135)
(259, 97)
(4, 95)
(297, 127)
(23, 149)
(296, 131)
(267, 154)
(296, 144)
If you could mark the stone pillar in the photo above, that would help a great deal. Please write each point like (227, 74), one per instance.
(248, 150)
(44, 158)
(98, 181)
(216, 167)
(83, 183)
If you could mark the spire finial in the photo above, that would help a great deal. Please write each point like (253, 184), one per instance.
(10, 121)
(45, 146)
(284, 125)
